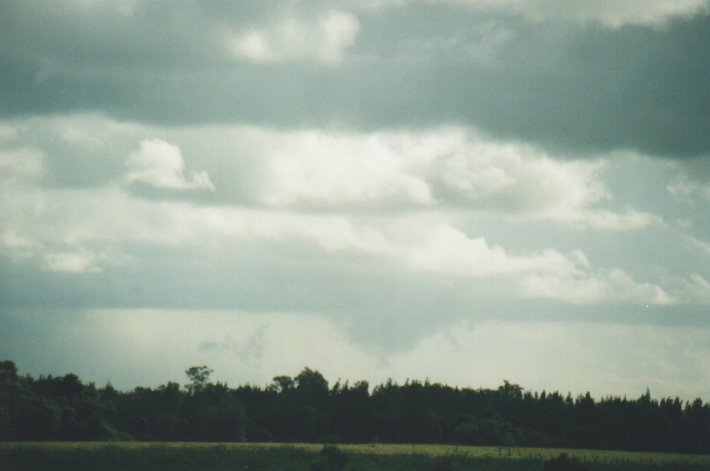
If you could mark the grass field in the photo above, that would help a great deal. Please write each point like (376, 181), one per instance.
(49, 456)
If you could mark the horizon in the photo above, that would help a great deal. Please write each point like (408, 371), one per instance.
(342, 382)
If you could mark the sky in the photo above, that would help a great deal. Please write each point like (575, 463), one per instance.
(468, 191)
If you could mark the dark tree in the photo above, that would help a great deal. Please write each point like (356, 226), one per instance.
(304, 408)
(198, 376)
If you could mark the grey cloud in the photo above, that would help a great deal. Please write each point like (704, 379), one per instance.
(568, 86)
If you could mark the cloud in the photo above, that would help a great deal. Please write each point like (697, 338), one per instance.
(447, 206)
(124, 7)
(609, 13)
(700, 244)
(686, 189)
(449, 251)
(72, 262)
(452, 167)
(21, 165)
(694, 289)
(320, 169)
(593, 288)
(69, 241)
(160, 164)
(557, 84)
(324, 38)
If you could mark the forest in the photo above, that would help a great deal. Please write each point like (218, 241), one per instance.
(306, 408)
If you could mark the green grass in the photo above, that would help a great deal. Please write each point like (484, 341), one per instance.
(140, 456)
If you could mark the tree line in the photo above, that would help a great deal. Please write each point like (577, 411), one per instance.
(305, 408)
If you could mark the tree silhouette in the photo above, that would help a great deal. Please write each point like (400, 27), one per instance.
(198, 376)
(303, 408)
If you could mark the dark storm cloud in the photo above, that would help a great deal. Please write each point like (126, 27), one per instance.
(573, 86)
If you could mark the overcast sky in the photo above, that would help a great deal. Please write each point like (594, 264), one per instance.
(461, 190)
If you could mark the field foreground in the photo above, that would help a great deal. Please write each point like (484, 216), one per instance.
(49, 456)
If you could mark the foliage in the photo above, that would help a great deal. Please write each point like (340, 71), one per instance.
(306, 408)
(198, 376)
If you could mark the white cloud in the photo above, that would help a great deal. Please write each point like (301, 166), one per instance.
(417, 243)
(161, 165)
(68, 221)
(440, 168)
(421, 244)
(401, 201)
(516, 178)
(597, 288)
(323, 170)
(601, 219)
(323, 38)
(449, 251)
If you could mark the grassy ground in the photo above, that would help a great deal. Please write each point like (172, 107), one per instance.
(50, 456)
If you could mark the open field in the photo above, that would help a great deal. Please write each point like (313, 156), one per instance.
(49, 456)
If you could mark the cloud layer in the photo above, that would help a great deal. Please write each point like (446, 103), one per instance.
(631, 78)
(401, 202)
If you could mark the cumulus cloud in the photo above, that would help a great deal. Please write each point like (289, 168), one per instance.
(323, 38)
(159, 164)
(418, 244)
(329, 170)
(594, 288)
(390, 203)
(449, 167)
(414, 244)
(449, 251)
